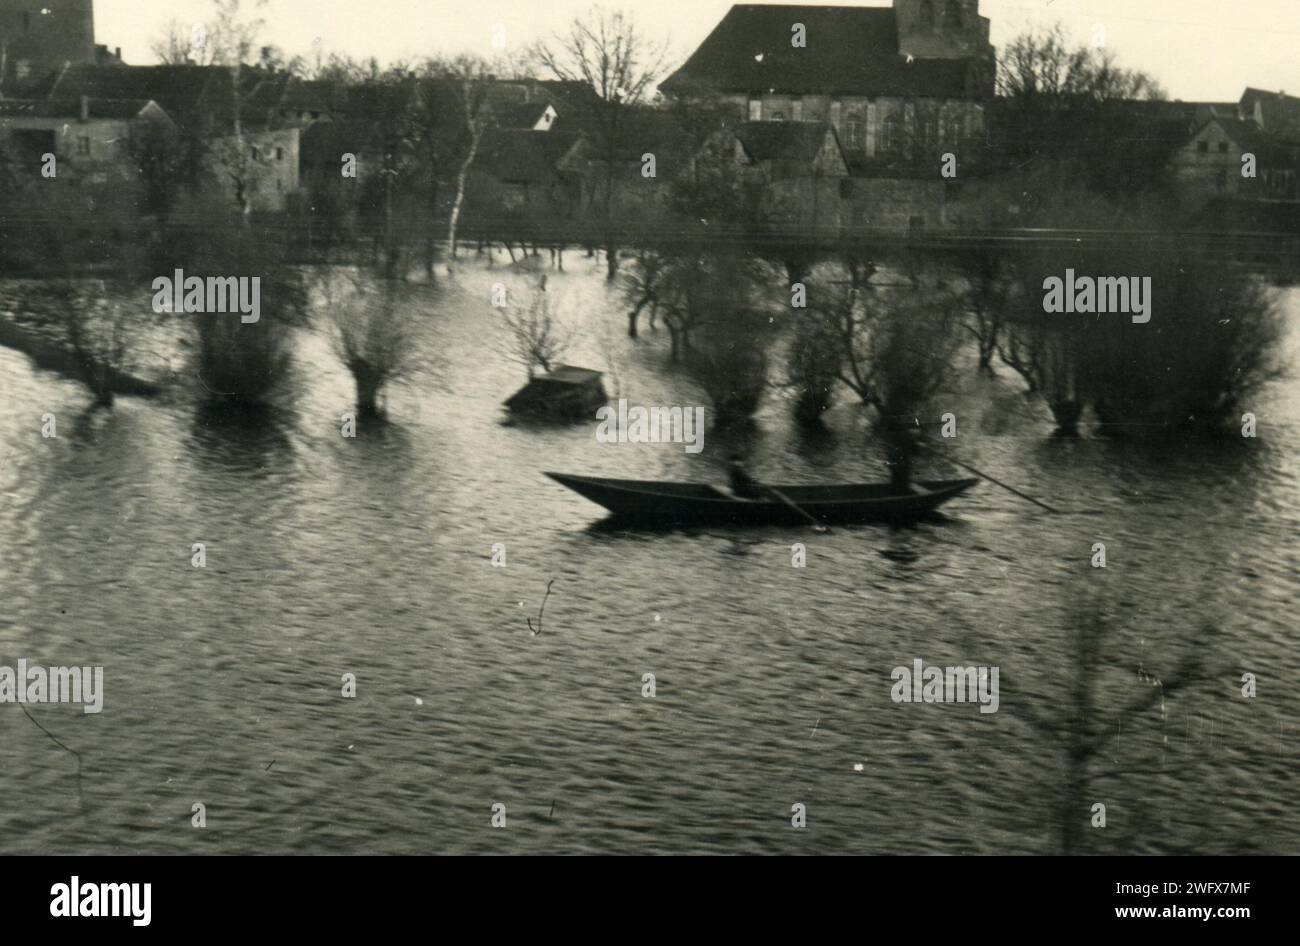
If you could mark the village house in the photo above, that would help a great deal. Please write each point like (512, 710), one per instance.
(1249, 155)
(91, 139)
(522, 176)
(803, 169)
(200, 102)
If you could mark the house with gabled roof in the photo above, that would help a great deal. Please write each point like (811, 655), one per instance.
(786, 150)
(802, 166)
(92, 139)
(1237, 158)
(1276, 113)
(522, 173)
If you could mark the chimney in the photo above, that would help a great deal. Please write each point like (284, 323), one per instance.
(85, 108)
(117, 51)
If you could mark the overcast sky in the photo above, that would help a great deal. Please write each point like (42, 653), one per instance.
(1197, 49)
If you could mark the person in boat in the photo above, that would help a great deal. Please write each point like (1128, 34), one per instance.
(900, 447)
(742, 484)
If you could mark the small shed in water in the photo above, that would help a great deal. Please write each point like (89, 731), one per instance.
(566, 393)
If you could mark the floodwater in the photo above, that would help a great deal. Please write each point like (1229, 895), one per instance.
(372, 556)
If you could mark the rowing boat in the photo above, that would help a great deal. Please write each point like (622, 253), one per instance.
(661, 502)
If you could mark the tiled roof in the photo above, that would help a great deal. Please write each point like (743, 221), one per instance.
(524, 156)
(640, 130)
(1244, 132)
(520, 115)
(851, 51)
(1280, 112)
(191, 95)
(324, 143)
(783, 141)
(120, 109)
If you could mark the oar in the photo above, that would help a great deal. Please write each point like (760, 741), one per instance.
(816, 524)
(1010, 489)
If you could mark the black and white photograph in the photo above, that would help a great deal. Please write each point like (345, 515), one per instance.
(649, 428)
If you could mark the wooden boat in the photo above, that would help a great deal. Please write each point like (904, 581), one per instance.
(664, 503)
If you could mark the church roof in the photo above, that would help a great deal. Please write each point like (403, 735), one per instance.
(850, 51)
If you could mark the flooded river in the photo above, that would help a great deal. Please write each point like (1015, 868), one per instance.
(372, 556)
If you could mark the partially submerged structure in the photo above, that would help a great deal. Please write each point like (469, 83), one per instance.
(566, 393)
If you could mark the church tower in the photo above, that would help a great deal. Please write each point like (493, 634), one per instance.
(941, 29)
(38, 35)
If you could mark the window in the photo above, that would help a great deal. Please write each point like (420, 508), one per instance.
(279, 154)
(927, 127)
(954, 16)
(1223, 147)
(83, 146)
(953, 130)
(1221, 179)
(778, 116)
(755, 110)
(257, 153)
(927, 15)
(855, 131)
(893, 132)
(846, 188)
(1202, 147)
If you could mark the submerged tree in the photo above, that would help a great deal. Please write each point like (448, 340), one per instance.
(721, 333)
(536, 338)
(897, 347)
(91, 248)
(988, 296)
(372, 331)
(642, 284)
(241, 363)
(815, 358)
(1207, 340)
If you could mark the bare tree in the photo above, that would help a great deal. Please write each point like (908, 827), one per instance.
(180, 44)
(896, 348)
(537, 339)
(1071, 105)
(987, 298)
(469, 76)
(642, 286)
(227, 39)
(373, 331)
(608, 53)
(1088, 723)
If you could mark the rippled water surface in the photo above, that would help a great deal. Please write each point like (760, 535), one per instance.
(372, 556)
